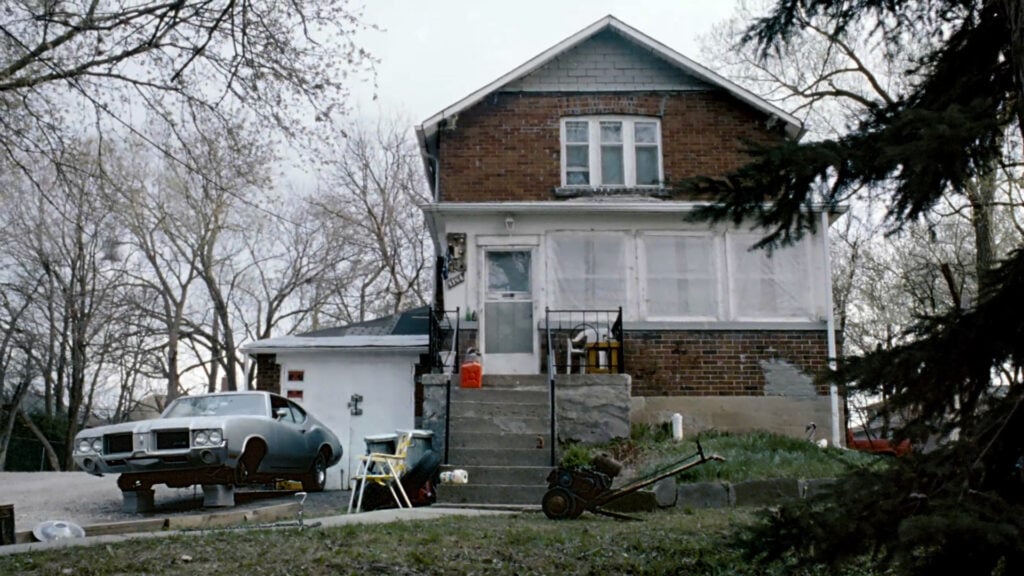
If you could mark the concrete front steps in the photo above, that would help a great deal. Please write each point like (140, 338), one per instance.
(500, 434)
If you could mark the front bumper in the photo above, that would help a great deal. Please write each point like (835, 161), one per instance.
(157, 461)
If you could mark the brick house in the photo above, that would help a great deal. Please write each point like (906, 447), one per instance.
(552, 212)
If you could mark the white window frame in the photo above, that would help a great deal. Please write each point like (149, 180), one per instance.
(717, 269)
(629, 146)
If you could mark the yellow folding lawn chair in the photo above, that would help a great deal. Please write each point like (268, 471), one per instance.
(385, 470)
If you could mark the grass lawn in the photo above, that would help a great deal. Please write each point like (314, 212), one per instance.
(665, 542)
(672, 541)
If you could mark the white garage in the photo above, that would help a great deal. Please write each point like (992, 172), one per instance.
(358, 379)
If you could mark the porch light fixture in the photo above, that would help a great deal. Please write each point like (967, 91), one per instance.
(510, 223)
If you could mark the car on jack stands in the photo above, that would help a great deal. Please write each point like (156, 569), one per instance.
(231, 438)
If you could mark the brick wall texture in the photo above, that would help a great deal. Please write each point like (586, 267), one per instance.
(268, 373)
(718, 362)
(507, 147)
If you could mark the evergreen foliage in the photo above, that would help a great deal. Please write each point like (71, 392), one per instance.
(957, 379)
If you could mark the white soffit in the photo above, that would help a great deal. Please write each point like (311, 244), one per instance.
(585, 206)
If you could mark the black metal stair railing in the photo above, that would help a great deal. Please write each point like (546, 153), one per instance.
(443, 346)
(585, 341)
(593, 336)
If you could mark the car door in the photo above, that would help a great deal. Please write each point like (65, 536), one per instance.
(308, 437)
(288, 449)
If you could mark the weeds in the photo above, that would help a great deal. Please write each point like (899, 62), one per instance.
(748, 456)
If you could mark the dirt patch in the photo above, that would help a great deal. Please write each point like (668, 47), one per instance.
(86, 499)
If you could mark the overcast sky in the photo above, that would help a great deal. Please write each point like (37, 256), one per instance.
(435, 52)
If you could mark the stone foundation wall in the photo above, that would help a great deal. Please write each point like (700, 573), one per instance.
(783, 415)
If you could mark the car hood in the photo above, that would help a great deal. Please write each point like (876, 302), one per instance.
(144, 426)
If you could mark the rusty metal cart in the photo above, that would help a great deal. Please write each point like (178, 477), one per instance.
(571, 491)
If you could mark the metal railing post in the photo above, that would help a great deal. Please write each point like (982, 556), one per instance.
(551, 384)
(448, 386)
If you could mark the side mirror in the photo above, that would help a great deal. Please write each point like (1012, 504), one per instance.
(280, 413)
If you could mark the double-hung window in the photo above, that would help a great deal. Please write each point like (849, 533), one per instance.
(611, 151)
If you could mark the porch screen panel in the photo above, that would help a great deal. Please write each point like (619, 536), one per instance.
(587, 271)
(681, 278)
(508, 327)
(770, 286)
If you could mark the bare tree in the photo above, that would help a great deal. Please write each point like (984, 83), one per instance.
(289, 256)
(282, 65)
(372, 194)
(832, 77)
(218, 207)
(56, 258)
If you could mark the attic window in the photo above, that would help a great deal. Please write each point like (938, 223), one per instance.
(611, 151)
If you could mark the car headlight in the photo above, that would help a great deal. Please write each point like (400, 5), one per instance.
(84, 445)
(212, 437)
(97, 445)
(201, 438)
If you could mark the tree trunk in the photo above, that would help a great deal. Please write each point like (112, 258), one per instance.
(212, 386)
(51, 455)
(1014, 11)
(172, 363)
(8, 424)
(981, 194)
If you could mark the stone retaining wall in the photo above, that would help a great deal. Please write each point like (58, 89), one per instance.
(721, 494)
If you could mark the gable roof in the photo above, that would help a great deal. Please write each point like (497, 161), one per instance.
(428, 130)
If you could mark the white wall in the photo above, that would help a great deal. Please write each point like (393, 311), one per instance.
(531, 229)
(384, 378)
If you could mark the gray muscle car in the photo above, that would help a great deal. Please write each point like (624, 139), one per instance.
(228, 438)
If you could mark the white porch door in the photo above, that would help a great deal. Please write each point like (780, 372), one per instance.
(508, 329)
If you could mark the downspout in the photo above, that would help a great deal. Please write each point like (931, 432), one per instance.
(833, 389)
(437, 175)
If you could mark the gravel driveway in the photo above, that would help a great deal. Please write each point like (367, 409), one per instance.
(86, 499)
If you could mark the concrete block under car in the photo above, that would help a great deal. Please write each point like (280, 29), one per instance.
(218, 495)
(137, 501)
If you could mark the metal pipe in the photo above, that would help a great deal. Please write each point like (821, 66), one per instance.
(833, 390)
(448, 388)
(551, 385)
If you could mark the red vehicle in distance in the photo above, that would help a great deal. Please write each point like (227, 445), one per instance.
(878, 445)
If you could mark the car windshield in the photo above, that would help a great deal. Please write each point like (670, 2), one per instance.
(226, 405)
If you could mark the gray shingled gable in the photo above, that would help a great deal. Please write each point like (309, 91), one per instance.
(606, 61)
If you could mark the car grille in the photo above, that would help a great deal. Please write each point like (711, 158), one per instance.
(172, 440)
(117, 443)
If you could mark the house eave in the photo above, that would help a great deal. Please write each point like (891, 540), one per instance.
(411, 344)
(442, 209)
